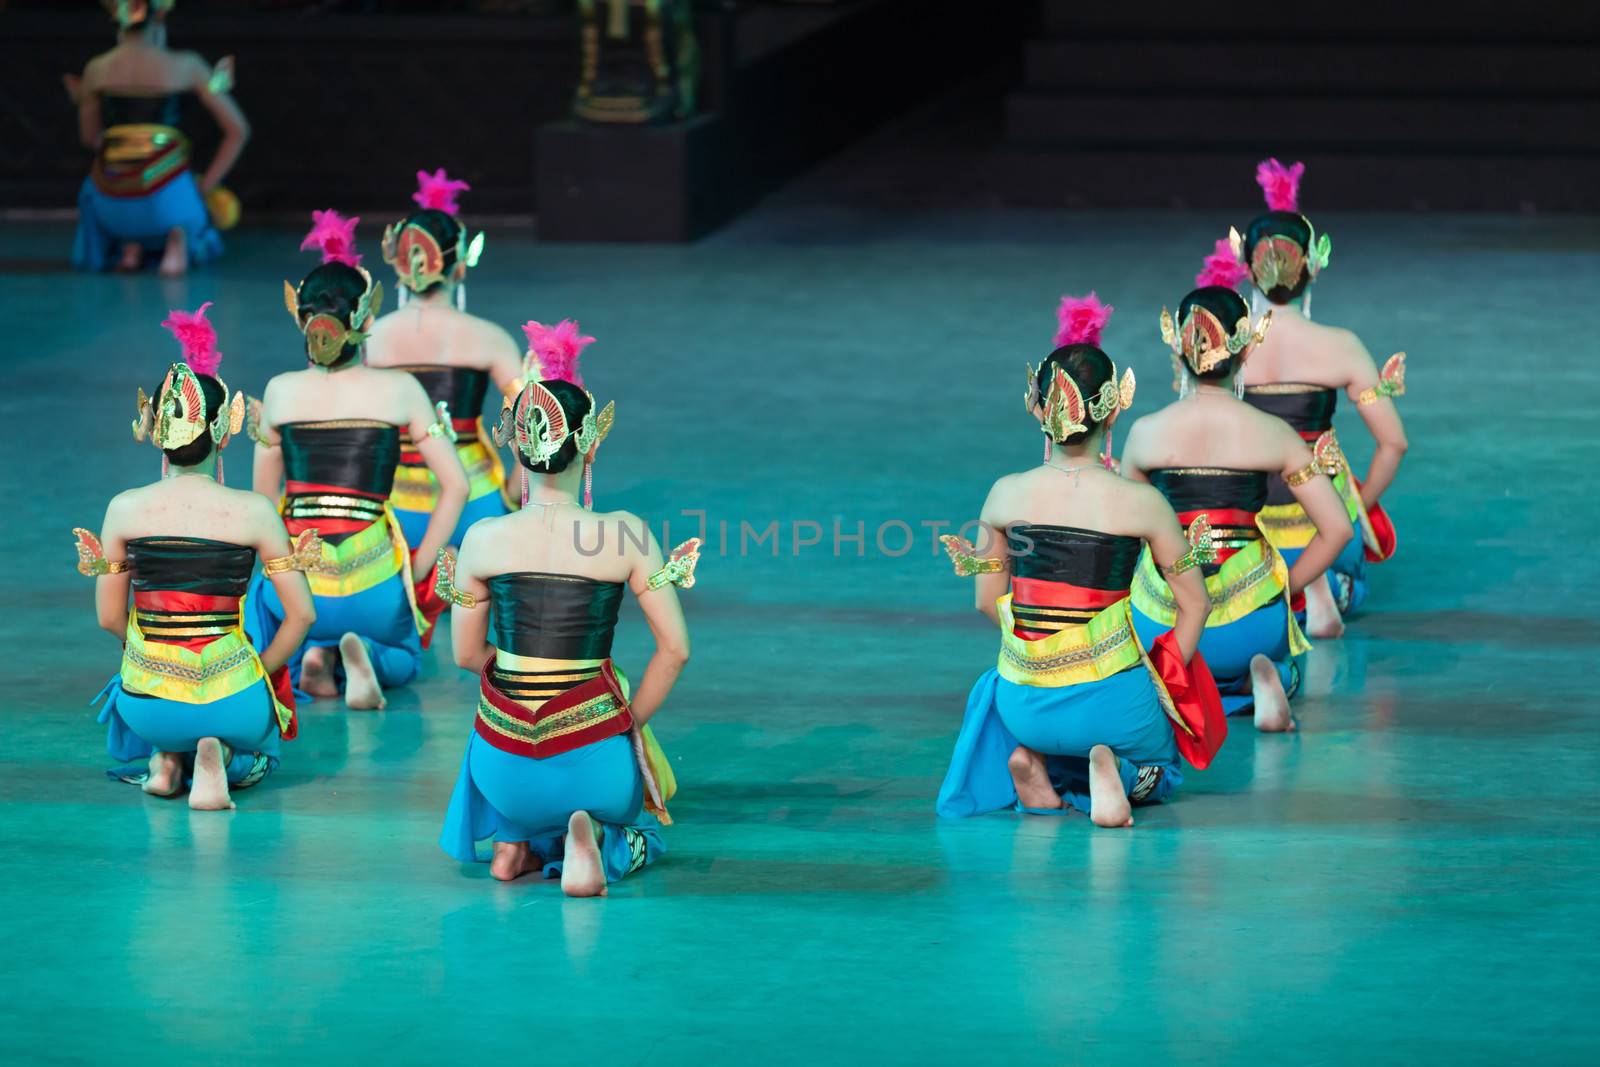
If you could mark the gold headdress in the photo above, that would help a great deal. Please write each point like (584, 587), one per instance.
(1277, 261)
(1064, 406)
(132, 12)
(413, 252)
(1204, 342)
(326, 333)
(176, 415)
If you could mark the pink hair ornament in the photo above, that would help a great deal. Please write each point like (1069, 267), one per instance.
(198, 338)
(1280, 184)
(334, 236)
(1081, 320)
(437, 191)
(554, 351)
(1222, 267)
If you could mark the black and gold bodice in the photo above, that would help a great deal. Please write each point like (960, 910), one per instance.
(550, 617)
(340, 471)
(157, 110)
(186, 590)
(1230, 500)
(1064, 575)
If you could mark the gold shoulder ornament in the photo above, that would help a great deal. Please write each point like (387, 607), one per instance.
(1391, 382)
(92, 562)
(679, 568)
(964, 557)
(444, 582)
(305, 552)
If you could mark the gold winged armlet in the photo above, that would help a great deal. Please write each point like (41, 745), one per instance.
(1391, 382)
(304, 554)
(964, 557)
(442, 425)
(444, 582)
(92, 562)
(1326, 458)
(1201, 548)
(252, 425)
(679, 568)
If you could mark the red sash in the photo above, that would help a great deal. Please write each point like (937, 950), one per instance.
(1194, 694)
(590, 712)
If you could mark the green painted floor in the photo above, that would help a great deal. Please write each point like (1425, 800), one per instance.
(1409, 879)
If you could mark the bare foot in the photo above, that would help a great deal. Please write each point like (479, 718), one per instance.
(1028, 774)
(1322, 611)
(166, 774)
(1108, 802)
(582, 873)
(316, 672)
(361, 688)
(1272, 704)
(512, 860)
(132, 258)
(175, 257)
(210, 789)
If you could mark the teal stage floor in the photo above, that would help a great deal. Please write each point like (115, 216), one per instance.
(1409, 879)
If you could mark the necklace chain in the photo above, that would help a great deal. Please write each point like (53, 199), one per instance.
(1070, 470)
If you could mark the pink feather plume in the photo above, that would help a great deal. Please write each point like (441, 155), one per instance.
(438, 191)
(1222, 268)
(198, 338)
(557, 349)
(1280, 184)
(1081, 320)
(334, 236)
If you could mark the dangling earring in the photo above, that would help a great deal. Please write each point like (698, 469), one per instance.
(404, 298)
(166, 465)
(524, 486)
(588, 484)
(1305, 303)
(1048, 448)
(1238, 385)
(1106, 459)
(220, 480)
(1185, 383)
(461, 297)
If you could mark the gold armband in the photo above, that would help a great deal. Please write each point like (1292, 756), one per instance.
(252, 423)
(679, 568)
(1391, 382)
(92, 562)
(1201, 548)
(964, 557)
(304, 555)
(444, 582)
(442, 426)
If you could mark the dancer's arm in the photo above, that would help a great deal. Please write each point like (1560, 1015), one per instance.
(267, 467)
(439, 453)
(86, 94)
(662, 613)
(998, 514)
(469, 626)
(219, 101)
(1322, 506)
(1164, 534)
(1382, 419)
(294, 593)
(111, 590)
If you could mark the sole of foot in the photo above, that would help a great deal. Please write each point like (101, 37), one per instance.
(1108, 802)
(166, 775)
(1322, 611)
(210, 789)
(582, 873)
(175, 257)
(316, 673)
(361, 689)
(1032, 780)
(1272, 705)
(512, 860)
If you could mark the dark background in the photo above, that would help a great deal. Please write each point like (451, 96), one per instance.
(1427, 105)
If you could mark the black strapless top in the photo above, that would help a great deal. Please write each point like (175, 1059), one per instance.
(355, 454)
(1308, 408)
(137, 110)
(190, 565)
(1086, 558)
(1190, 489)
(463, 388)
(555, 616)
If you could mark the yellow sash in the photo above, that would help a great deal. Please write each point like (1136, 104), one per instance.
(224, 668)
(364, 560)
(1249, 579)
(416, 489)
